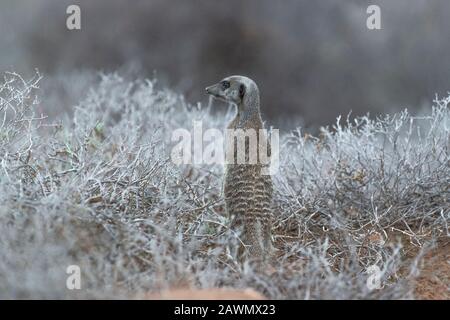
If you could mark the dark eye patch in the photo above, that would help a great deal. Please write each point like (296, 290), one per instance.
(241, 91)
(225, 85)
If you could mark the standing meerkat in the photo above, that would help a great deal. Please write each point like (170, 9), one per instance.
(247, 188)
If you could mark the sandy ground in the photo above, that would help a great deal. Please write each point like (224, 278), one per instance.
(434, 280)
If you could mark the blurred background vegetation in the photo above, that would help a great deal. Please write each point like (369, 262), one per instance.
(313, 60)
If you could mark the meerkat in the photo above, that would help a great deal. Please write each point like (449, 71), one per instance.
(247, 189)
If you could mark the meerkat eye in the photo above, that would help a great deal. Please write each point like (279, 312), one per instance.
(225, 85)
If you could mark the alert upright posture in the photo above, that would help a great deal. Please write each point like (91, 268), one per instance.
(248, 191)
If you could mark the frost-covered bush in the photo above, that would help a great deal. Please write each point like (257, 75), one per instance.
(100, 191)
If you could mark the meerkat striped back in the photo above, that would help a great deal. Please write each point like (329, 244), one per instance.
(248, 198)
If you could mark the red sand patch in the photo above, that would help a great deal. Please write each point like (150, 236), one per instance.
(204, 294)
(434, 280)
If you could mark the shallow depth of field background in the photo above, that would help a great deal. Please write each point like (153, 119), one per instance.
(313, 60)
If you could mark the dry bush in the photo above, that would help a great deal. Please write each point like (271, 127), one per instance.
(99, 190)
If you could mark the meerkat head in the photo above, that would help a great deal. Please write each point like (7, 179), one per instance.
(233, 89)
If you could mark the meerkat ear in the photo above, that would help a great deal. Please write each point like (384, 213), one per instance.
(241, 91)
